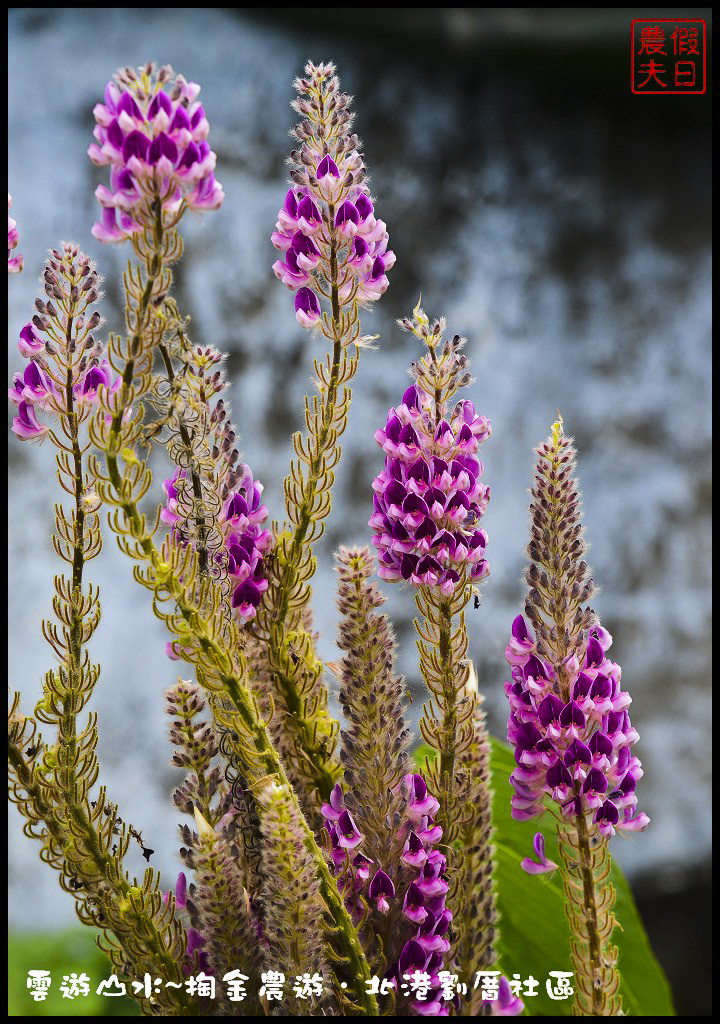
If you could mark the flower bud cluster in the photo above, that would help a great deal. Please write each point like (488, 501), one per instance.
(420, 885)
(333, 245)
(152, 133)
(66, 363)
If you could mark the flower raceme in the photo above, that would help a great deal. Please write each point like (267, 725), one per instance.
(578, 752)
(15, 263)
(420, 883)
(152, 133)
(429, 498)
(72, 286)
(244, 541)
(333, 245)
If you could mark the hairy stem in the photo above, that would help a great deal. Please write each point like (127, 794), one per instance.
(194, 475)
(446, 723)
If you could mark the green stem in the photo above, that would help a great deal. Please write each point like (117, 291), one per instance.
(68, 721)
(447, 752)
(154, 273)
(194, 475)
(313, 748)
(589, 900)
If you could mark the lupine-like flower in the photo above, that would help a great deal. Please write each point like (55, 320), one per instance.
(43, 385)
(332, 243)
(245, 542)
(506, 1004)
(419, 888)
(570, 726)
(568, 722)
(541, 866)
(15, 263)
(429, 498)
(577, 751)
(152, 132)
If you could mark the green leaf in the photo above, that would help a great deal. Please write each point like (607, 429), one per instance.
(61, 953)
(533, 931)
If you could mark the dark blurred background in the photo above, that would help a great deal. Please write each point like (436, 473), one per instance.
(558, 221)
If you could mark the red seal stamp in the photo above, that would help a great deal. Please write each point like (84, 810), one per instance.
(668, 56)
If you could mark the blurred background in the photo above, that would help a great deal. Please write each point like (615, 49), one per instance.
(558, 221)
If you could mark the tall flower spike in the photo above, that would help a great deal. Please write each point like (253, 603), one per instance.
(224, 931)
(569, 724)
(213, 502)
(196, 745)
(397, 898)
(374, 740)
(335, 256)
(67, 366)
(53, 783)
(293, 917)
(428, 501)
(152, 133)
(430, 497)
(15, 263)
(224, 934)
(333, 245)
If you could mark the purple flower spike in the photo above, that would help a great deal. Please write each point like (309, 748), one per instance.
(568, 721)
(542, 866)
(344, 245)
(421, 896)
(154, 143)
(429, 498)
(245, 541)
(584, 744)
